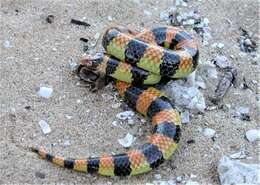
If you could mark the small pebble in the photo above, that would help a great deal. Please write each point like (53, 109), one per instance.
(179, 179)
(147, 13)
(185, 117)
(125, 115)
(239, 155)
(114, 123)
(44, 127)
(40, 175)
(253, 135)
(79, 101)
(45, 92)
(130, 121)
(66, 143)
(127, 141)
(243, 113)
(96, 36)
(109, 18)
(68, 116)
(208, 132)
(50, 19)
(7, 44)
(72, 64)
(116, 105)
(221, 61)
(157, 176)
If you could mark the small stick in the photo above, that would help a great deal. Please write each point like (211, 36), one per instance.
(83, 39)
(78, 22)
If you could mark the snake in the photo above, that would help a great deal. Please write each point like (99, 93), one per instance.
(138, 61)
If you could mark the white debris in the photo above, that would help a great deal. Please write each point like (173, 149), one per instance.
(189, 22)
(44, 127)
(179, 179)
(206, 21)
(235, 172)
(96, 36)
(147, 13)
(208, 132)
(127, 141)
(125, 115)
(218, 45)
(66, 143)
(164, 15)
(200, 82)
(45, 92)
(239, 155)
(72, 64)
(185, 117)
(243, 113)
(68, 116)
(116, 105)
(192, 183)
(109, 18)
(221, 61)
(185, 95)
(114, 123)
(79, 101)
(158, 176)
(7, 44)
(130, 121)
(253, 135)
(212, 72)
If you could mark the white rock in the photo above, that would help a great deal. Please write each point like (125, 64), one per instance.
(179, 179)
(206, 21)
(44, 127)
(239, 155)
(125, 115)
(66, 143)
(114, 123)
(208, 132)
(218, 45)
(147, 13)
(96, 36)
(192, 183)
(164, 15)
(68, 116)
(236, 172)
(222, 61)
(253, 135)
(45, 92)
(130, 121)
(109, 18)
(157, 176)
(185, 117)
(243, 110)
(7, 44)
(127, 141)
(116, 105)
(72, 64)
(185, 95)
(189, 22)
(212, 72)
(79, 101)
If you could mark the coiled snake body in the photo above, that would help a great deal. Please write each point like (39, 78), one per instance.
(138, 60)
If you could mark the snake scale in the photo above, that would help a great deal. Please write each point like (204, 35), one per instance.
(137, 61)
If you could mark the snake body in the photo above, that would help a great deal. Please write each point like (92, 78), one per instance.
(137, 60)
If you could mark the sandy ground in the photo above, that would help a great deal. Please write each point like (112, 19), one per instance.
(39, 57)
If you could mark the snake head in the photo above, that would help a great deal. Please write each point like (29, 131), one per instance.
(89, 71)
